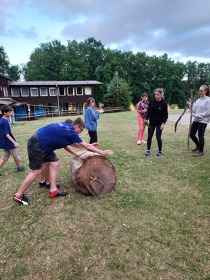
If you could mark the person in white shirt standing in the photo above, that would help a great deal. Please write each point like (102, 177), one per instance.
(201, 114)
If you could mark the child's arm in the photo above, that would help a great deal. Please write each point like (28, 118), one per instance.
(12, 140)
(92, 148)
(71, 151)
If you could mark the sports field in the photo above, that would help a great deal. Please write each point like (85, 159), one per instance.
(153, 225)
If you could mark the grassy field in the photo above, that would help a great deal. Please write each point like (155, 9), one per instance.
(153, 225)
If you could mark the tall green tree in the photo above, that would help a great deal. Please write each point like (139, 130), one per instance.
(14, 72)
(47, 62)
(76, 65)
(118, 93)
(4, 61)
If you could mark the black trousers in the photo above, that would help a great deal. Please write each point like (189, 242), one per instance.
(93, 136)
(151, 130)
(200, 128)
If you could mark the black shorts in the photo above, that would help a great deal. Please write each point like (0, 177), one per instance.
(36, 155)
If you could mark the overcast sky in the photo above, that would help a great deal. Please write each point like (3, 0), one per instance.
(180, 28)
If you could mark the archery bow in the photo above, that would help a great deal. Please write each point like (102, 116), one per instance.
(189, 102)
(185, 108)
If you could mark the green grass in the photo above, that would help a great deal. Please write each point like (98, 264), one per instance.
(153, 225)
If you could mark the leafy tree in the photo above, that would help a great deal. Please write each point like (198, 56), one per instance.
(14, 72)
(4, 61)
(76, 65)
(118, 93)
(47, 62)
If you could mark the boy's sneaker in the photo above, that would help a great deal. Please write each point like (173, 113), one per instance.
(147, 153)
(47, 186)
(23, 200)
(20, 169)
(57, 193)
(159, 154)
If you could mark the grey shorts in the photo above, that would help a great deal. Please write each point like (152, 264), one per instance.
(36, 155)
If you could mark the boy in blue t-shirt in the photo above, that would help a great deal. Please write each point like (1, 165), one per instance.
(41, 147)
(7, 140)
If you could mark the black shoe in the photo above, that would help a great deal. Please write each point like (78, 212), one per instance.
(47, 186)
(20, 169)
(23, 200)
(196, 149)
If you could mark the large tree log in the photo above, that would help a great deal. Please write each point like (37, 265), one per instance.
(93, 174)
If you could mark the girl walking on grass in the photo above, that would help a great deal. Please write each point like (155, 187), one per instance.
(142, 112)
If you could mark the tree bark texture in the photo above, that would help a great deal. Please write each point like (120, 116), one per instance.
(93, 174)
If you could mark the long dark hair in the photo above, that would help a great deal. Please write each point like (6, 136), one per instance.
(89, 101)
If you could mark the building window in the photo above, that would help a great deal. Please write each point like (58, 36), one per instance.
(34, 92)
(88, 90)
(70, 91)
(52, 91)
(15, 92)
(79, 90)
(24, 92)
(43, 91)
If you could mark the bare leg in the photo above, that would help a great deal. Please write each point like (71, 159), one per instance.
(45, 175)
(17, 162)
(1, 162)
(54, 168)
(31, 177)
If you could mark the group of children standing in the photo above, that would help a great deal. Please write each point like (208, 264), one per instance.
(155, 114)
(45, 164)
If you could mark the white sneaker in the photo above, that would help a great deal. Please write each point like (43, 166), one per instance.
(144, 142)
(139, 142)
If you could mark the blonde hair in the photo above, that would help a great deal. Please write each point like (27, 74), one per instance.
(207, 89)
(160, 90)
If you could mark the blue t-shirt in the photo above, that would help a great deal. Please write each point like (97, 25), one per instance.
(57, 135)
(91, 118)
(5, 129)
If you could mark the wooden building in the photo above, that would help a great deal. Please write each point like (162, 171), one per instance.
(37, 98)
(4, 86)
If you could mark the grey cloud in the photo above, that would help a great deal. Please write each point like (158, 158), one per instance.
(151, 26)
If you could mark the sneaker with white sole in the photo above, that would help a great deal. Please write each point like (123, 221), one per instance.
(23, 200)
(139, 142)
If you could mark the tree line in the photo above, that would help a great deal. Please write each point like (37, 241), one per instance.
(125, 75)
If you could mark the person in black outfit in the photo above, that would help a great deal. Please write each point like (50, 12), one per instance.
(157, 115)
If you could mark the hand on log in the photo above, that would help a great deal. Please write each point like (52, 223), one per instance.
(107, 152)
(97, 145)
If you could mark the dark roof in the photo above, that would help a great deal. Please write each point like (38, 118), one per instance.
(54, 83)
(6, 77)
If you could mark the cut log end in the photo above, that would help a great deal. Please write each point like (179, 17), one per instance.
(93, 174)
